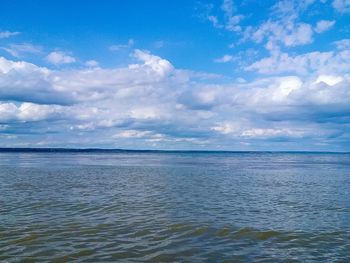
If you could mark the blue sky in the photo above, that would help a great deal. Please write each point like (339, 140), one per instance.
(211, 75)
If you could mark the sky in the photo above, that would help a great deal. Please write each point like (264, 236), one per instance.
(176, 75)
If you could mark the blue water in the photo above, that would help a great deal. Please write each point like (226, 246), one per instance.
(174, 207)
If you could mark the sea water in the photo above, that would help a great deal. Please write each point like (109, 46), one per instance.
(174, 207)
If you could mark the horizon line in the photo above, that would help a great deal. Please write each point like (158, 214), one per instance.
(116, 150)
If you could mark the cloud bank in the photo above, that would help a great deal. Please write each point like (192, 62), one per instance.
(152, 104)
(287, 92)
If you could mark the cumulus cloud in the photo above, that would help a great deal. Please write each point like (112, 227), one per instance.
(159, 105)
(156, 64)
(23, 81)
(342, 6)
(59, 57)
(329, 79)
(324, 25)
(281, 91)
(27, 112)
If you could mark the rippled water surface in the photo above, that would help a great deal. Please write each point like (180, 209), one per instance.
(174, 207)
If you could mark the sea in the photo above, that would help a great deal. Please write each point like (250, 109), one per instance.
(154, 206)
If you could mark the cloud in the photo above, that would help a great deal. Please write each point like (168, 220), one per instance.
(284, 89)
(268, 133)
(320, 62)
(132, 134)
(144, 135)
(161, 66)
(275, 33)
(329, 79)
(23, 81)
(152, 104)
(158, 44)
(59, 58)
(342, 6)
(91, 63)
(224, 59)
(17, 50)
(284, 27)
(27, 112)
(343, 44)
(215, 21)
(226, 127)
(7, 34)
(228, 7)
(231, 19)
(118, 47)
(324, 25)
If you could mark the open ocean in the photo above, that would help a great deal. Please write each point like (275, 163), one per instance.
(174, 207)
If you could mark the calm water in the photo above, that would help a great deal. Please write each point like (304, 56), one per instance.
(174, 207)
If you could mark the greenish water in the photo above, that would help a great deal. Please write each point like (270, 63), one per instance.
(174, 207)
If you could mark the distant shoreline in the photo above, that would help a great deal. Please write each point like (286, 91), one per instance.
(103, 150)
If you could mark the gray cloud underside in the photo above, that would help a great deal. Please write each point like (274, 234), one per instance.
(151, 104)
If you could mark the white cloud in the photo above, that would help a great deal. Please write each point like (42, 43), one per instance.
(17, 50)
(226, 127)
(224, 59)
(246, 130)
(161, 66)
(154, 102)
(233, 23)
(7, 34)
(91, 63)
(287, 33)
(136, 134)
(342, 6)
(231, 20)
(118, 47)
(35, 112)
(320, 62)
(59, 57)
(27, 112)
(7, 111)
(215, 21)
(268, 132)
(343, 44)
(144, 113)
(284, 27)
(288, 94)
(228, 7)
(329, 79)
(132, 134)
(324, 25)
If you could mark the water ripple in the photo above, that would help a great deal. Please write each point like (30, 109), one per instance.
(174, 208)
